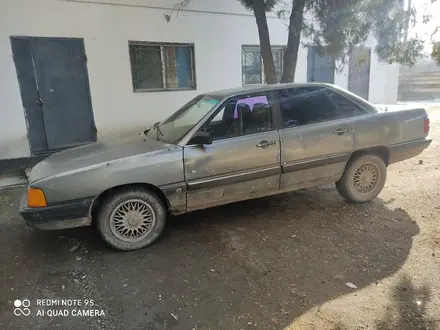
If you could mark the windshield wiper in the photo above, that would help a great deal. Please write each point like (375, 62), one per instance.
(158, 131)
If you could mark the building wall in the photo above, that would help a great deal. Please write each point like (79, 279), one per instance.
(217, 28)
(384, 81)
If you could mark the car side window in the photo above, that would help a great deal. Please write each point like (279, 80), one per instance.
(344, 107)
(240, 116)
(219, 116)
(305, 105)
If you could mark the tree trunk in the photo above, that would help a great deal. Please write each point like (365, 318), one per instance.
(266, 49)
(407, 21)
(293, 41)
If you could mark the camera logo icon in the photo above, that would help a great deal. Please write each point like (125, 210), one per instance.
(21, 307)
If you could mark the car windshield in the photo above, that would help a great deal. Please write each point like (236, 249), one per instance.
(180, 123)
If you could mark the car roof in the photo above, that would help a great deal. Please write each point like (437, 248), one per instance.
(223, 94)
(263, 88)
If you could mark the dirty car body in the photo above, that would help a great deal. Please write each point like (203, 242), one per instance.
(230, 146)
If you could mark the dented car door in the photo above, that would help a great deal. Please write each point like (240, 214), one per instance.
(317, 136)
(244, 159)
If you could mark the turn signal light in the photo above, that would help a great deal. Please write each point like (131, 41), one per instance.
(36, 198)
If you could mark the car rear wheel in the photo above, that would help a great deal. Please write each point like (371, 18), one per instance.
(363, 179)
(131, 219)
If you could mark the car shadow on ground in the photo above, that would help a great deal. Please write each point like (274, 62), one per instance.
(255, 264)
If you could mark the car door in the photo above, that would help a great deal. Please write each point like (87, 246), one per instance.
(243, 160)
(316, 139)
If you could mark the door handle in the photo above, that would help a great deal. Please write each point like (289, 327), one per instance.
(264, 144)
(341, 131)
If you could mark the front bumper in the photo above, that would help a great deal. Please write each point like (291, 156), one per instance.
(58, 216)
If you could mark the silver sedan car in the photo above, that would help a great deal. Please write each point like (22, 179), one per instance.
(223, 147)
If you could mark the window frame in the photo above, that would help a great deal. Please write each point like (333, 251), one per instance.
(328, 90)
(256, 48)
(191, 47)
(274, 114)
(325, 90)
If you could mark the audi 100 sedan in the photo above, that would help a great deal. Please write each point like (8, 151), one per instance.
(223, 147)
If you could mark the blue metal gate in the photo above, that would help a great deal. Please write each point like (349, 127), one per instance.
(54, 86)
(320, 68)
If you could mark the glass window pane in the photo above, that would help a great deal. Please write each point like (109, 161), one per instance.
(184, 68)
(251, 101)
(181, 122)
(178, 67)
(146, 66)
(303, 106)
(195, 113)
(251, 66)
(224, 125)
(219, 116)
(256, 114)
(162, 66)
(278, 61)
(170, 66)
(241, 116)
(344, 107)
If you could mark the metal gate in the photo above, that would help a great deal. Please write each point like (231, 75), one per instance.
(320, 68)
(359, 71)
(54, 87)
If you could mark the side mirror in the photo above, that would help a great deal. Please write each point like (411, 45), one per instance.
(201, 138)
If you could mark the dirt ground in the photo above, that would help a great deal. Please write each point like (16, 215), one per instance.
(281, 262)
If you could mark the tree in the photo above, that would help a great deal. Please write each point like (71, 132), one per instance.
(260, 7)
(334, 27)
(296, 22)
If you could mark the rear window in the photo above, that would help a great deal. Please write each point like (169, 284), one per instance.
(365, 105)
(344, 107)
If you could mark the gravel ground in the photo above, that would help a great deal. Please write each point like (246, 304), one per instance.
(303, 260)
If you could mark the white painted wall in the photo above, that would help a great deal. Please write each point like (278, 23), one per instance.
(106, 30)
(384, 81)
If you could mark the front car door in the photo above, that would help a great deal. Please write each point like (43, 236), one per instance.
(317, 137)
(244, 159)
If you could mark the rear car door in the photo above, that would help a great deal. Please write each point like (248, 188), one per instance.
(316, 137)
(244, 159)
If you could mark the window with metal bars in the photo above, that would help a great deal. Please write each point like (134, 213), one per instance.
(252, 64)
(162, 66)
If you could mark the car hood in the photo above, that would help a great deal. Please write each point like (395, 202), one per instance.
(91, 155)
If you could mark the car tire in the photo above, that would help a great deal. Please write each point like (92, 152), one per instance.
(363, 179)
(131, 219)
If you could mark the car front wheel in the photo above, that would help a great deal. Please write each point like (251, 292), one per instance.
(363, 179)
(131, 219)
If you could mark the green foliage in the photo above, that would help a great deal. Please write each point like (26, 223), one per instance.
(334, 27)
(405, 53)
